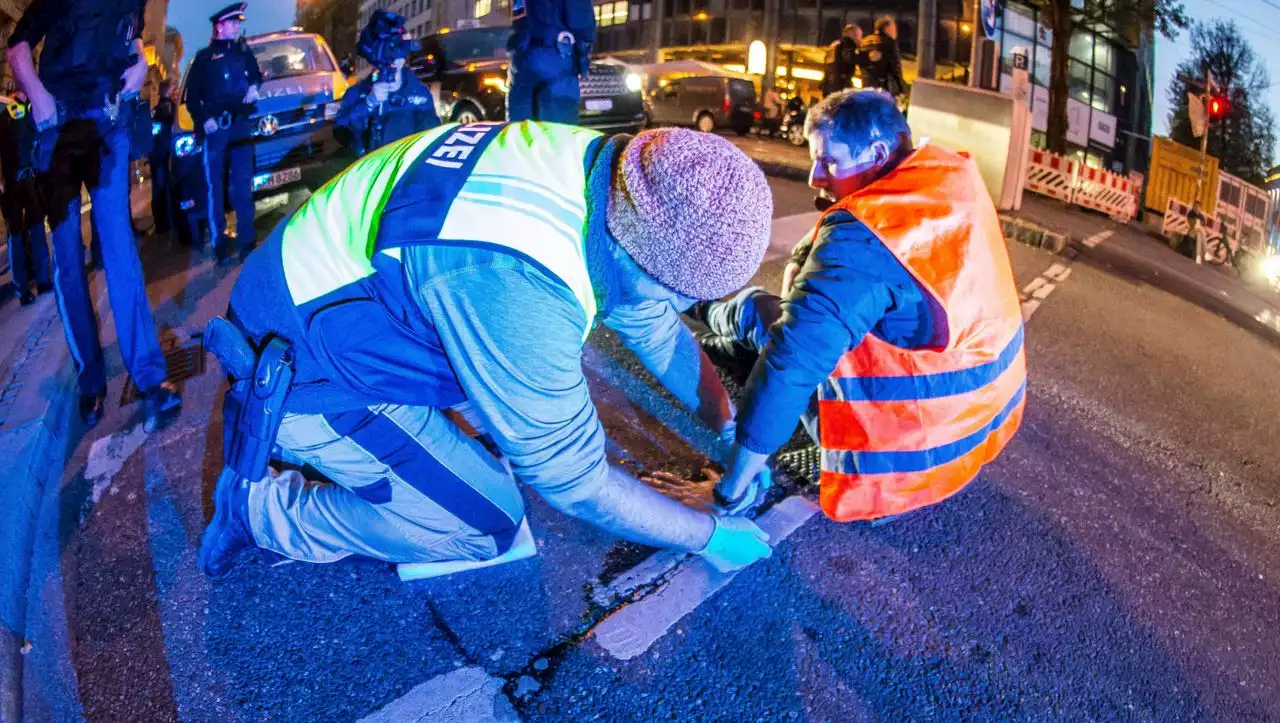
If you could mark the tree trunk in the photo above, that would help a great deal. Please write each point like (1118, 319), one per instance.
(1058, 13)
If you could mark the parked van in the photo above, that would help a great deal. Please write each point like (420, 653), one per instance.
(706, 102)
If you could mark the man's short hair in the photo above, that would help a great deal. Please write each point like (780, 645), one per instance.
(883, 22)
(850, 28)
(858, 117)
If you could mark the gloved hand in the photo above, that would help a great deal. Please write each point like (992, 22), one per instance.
(735, 544)
(735, 494)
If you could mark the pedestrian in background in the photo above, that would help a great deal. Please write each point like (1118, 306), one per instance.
(222, 90)
(20, 203)
(845, 58)
(91, 68)
(390, 103)
(550, 46)
(162, 118)
(885, 71)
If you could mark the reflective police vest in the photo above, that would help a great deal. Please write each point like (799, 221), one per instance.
(904, 428)
(518, 188)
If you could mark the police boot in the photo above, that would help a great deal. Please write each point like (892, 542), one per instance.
(228, 533)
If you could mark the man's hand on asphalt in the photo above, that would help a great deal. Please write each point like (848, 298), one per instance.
(210, 126)
(735, 543)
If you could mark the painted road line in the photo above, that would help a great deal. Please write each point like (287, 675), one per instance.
(465, 695)
(1029, 308)
(1036, 283)
(631, 630)
(107, 455)
(1043, 291)
(1098, 238)
(1058, 272)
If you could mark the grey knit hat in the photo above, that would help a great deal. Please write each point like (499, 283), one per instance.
(692, 210)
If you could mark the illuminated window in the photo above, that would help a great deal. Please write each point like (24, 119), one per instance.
(483, 8)
(614, 13)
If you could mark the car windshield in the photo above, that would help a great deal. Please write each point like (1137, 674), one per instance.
(287, 57)
(465, 45)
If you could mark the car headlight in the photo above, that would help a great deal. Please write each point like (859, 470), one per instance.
(1271, 268)
(634, 83)
(331, 110)
(495, 81)
(184, 146)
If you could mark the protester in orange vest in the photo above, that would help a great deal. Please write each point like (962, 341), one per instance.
(901, 311)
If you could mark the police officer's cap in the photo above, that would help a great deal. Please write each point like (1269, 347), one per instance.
(234, 11)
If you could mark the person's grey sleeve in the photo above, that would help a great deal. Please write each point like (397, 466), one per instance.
(523, 372)
(664, 344)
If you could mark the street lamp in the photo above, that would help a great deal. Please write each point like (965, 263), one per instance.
(702, 17)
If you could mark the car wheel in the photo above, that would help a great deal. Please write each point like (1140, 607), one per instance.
(706, 123)
(795, 136)
(467, 113)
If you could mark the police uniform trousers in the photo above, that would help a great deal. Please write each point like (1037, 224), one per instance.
(24, 228)
(405, 484)
(228, 169)
(91, 150)
(542, 86)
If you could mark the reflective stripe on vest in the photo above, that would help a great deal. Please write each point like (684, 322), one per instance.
(905, 428)
(517, 187)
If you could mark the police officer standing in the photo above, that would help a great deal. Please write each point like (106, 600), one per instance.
(23, 218)
(91, 67)
(390, 103)
(162, 118)
(222, 88)
(844, 59)
(550, 48)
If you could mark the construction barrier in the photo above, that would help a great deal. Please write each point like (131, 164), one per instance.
(1176, 223)
(1107, 192)
(1051, 175)
(1073, 182)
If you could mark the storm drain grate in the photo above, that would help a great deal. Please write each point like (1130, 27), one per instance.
(184, 358)
(804, 465)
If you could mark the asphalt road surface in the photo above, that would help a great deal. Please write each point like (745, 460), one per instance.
(1120, 561)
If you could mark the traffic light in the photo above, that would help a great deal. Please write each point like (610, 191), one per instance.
(1218, 106)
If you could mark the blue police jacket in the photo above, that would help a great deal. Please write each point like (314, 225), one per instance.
(219, 77)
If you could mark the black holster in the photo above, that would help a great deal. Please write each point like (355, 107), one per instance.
(253, 407)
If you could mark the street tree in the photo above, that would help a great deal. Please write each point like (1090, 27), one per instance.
(1064, 16)
(1244, 139)
(335, 20)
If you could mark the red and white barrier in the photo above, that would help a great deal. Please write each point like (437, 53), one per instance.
(1071, 181)
(1107, 192)
(1051, 175)
(1175, 221)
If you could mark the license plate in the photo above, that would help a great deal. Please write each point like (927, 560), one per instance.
(280, 178)
(604, 104)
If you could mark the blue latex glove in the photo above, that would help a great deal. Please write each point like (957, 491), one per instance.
(735, 543)
(735, 502)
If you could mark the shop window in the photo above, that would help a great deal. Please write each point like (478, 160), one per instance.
(1016, 22)
(635, 13)
(1103, 92)
(1078, 81)
(1081, 47)
(1040, 67)
(719, 30)
(1007, 46)
(646, 12)
(1104, 58)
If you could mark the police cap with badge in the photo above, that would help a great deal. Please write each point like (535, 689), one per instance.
(234, 11)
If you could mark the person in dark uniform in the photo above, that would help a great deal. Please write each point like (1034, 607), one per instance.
(390, 103)
(91, 68)
(222, 88)
(162, 117)
(844, 59)
(550, 48)
(884, 64)
(23, 217)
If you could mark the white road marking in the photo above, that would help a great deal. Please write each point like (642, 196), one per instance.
(1029, 308)
(1043, 292)
(1036, 283)
(108, 455)
(630, 630)
(1098, 238)
(1058, 272)
(465, 695)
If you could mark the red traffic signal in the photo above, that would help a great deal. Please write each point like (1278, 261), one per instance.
(1218, 106)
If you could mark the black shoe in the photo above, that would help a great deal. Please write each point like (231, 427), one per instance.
(44, 289)
(26, 298)
(91, 408)
(734, 357)
(163, 405)
(228, 532)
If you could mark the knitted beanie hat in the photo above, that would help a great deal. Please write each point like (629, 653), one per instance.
(692, 210)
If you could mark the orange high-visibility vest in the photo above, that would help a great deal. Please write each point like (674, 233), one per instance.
(905, 428)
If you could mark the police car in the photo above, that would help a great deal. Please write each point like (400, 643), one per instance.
(291, 129)
(466, 71)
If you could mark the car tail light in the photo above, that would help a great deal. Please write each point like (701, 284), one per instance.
(725, 107)
(756, 115)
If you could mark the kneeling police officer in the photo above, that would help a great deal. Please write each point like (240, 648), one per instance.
(222, 88)
(391, 102)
